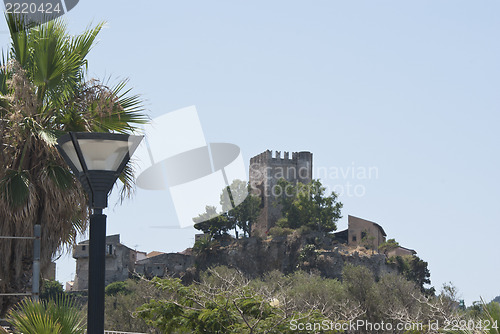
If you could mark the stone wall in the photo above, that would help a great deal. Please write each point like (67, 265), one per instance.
(168, 264)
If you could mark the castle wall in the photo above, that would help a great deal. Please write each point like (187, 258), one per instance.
(265, 171)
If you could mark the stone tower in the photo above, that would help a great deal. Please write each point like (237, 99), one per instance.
(265, 171)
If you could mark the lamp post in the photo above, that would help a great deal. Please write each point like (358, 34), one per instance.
(97, 160)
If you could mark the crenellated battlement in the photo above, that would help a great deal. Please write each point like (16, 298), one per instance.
(268, 157)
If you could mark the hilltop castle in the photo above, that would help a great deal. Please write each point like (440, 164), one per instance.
(251, 256)
(265, 171)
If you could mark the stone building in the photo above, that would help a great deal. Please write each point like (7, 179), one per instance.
(365, 233)
(123, 262)
(165, 264)
(265, 171)
(120, 262)
(362, 232)
(401, 251)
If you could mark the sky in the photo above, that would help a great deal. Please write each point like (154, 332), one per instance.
(406, 89)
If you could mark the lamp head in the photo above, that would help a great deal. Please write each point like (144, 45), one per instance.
(97, 160)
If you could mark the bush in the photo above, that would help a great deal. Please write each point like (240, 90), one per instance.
(309, 252)
(51, 290)
(277, 231)
(120, 306)
(116, 288)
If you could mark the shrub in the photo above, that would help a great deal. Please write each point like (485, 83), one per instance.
(51, 290)
(277, 231)
(116, 288)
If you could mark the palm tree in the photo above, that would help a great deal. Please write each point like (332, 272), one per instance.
(60, 316)
(44, 92)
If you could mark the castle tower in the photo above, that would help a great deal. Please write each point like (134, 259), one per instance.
(265, 171)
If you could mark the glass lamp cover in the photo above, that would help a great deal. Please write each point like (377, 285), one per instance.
(102, 154)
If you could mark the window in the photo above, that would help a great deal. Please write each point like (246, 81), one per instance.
(83, 247)
(363, 235)
(354, 238)
(109, 249)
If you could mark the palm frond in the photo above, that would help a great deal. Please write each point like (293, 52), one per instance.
(83, 43)
(127, 111)
(15, 187)
(60, 176)
(19, 34)
(60, 316)
(128, 179)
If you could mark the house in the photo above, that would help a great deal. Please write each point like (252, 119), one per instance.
(123, 262)
(362, 232)
(164, 264)
(69, 286)
(401, 251)
(120, 262)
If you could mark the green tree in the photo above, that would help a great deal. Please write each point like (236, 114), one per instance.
(213, 223)
(360, 284)
(414, 269)
(121, 302)
(51, 290)
(242, 207)
(45, 92)
(388, 245)
(307, 205)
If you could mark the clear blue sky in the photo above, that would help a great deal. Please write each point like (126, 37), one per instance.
(408, 87)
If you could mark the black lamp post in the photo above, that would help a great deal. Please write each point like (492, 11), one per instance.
(97, 159)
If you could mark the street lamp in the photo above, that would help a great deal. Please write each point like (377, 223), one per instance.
(97, 160)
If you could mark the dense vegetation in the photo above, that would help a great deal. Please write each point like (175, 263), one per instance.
(225, 301)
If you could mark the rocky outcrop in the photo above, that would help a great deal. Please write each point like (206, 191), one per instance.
(313, 252)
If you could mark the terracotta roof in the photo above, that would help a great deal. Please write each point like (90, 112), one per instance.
(154, 253)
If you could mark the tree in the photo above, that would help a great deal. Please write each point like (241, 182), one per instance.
(121, 302)
(307, 205)
(360, 284)
(239, 209)
(414, 269)
(44, 92)
(215, 227)
(389, 245)
(243, 208)
(51, 290)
